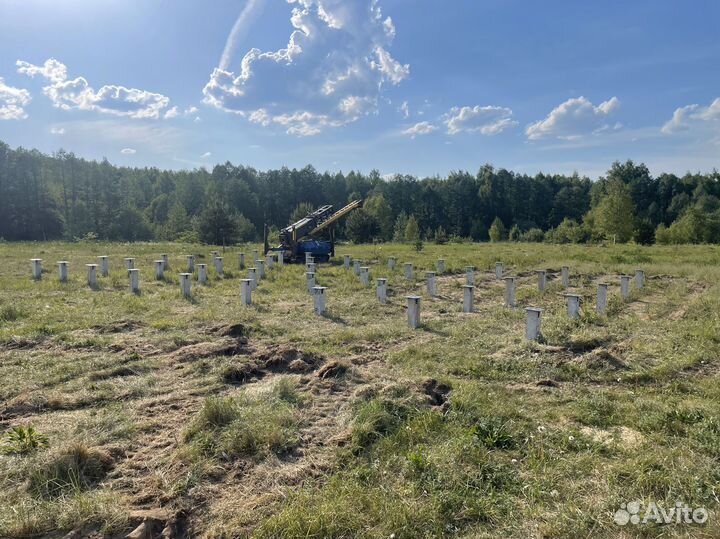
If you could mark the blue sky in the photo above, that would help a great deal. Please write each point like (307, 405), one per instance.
(404, 86)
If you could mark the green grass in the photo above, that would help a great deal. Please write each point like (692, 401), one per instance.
(234, 427)
(534, 439)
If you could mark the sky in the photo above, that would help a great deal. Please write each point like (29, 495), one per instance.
(402, 86)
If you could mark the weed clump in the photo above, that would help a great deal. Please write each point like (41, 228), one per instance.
(74, 469)
(10, 313)
(23, 440)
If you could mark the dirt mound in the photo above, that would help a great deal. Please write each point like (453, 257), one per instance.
(601, 360)
(20, 343)
(229, 330)
(280, 358)
(121, 326)
(273, 360)
(28, 404)
(225, 347)
(437, 392)
(333, 369)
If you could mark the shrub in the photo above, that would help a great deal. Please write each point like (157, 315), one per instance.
(534, 235)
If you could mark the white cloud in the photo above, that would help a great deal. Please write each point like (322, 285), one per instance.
(421, 128)
(692, 115)
(68, 94)
(206, 155)
(174, 112)
(128, 151)
(57, 130)
(486, 120)
(573, 119)
(405, 109)
(331, 73)
(12, 102)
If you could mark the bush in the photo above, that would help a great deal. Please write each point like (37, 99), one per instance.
(569, 231)
(497, 231)
(534, 235)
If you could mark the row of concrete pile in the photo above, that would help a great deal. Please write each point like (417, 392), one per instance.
(162, 264)
(257, 272)
(533, 313)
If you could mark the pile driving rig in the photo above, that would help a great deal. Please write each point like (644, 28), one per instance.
(301, 237)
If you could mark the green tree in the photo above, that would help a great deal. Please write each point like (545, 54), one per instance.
(380, 210)
(644, 232)
(399, 228)
(217, 224)
(412, 230)
(301, 210)
(662, 234)
(178, 222)
(515, 233)
(615, 214)
(497, 231)
(361, 226)
(441, 237)
(246, 230)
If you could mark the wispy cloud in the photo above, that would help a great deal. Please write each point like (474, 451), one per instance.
(420, 128)
(251, 10)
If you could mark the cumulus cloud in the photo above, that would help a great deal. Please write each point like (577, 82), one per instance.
(486, 120)
(685, 117)
(57, 130)
(13, 102)
(331, 73)
(128, 151)
(573, 119)
(405, 109)
(206, 155)
(69, 94)
(420, 128)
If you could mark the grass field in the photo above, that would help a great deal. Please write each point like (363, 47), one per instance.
(197, 417)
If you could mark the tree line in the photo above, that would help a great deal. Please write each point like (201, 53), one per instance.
(62, 196)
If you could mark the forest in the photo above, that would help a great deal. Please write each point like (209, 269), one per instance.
(62, 196)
